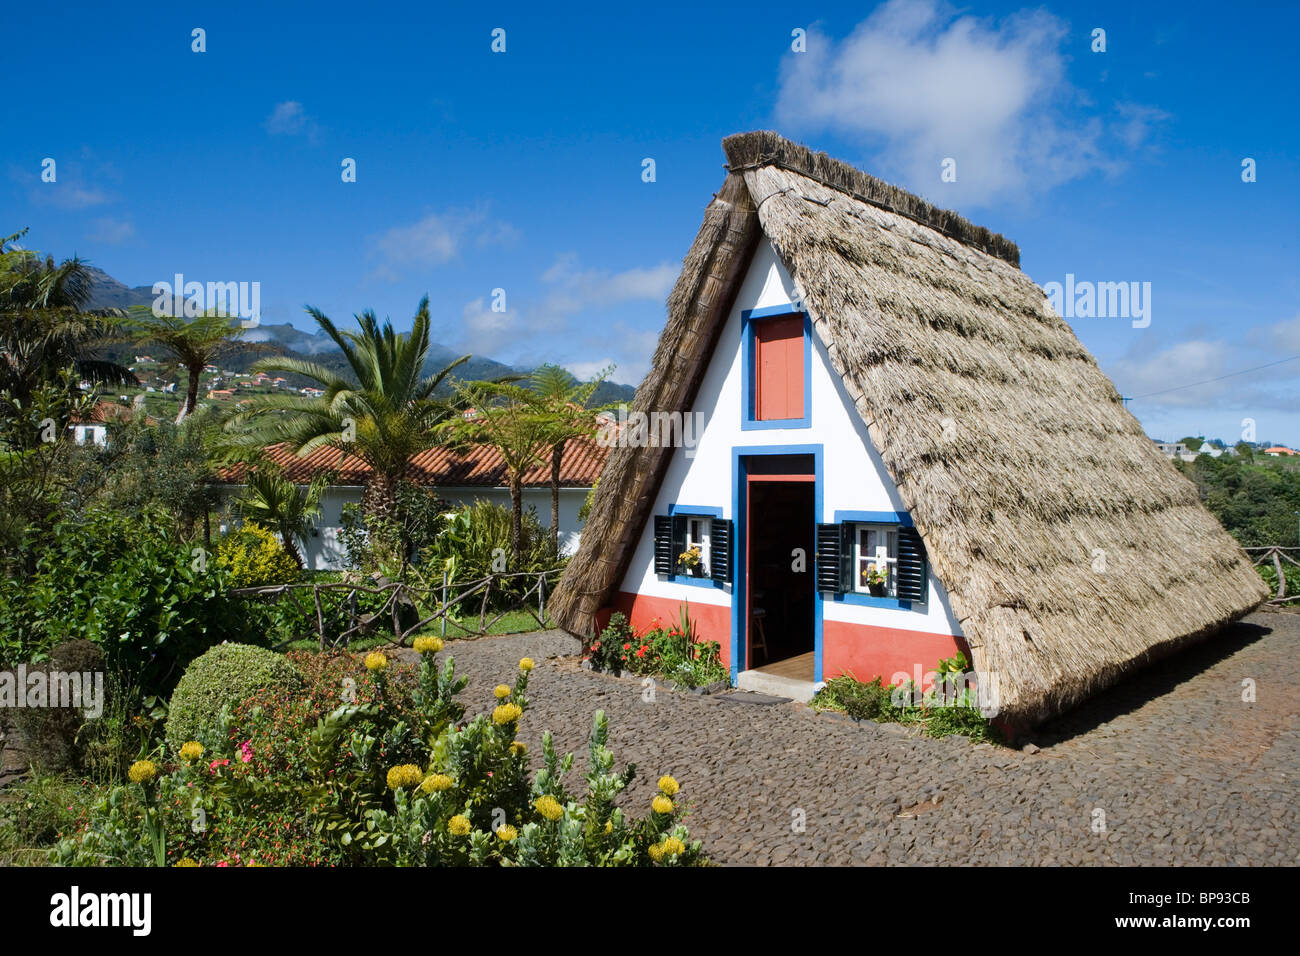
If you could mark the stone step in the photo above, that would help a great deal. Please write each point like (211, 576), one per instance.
(761, 683)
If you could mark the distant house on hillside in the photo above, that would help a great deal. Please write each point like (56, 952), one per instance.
(1280, 451)
(903, 454)
(94, 428)
(221, 394)
(459, 479)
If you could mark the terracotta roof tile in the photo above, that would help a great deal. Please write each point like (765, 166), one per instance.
(482, 466)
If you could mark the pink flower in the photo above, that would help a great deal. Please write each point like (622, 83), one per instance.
(223, 863)
(246, 751)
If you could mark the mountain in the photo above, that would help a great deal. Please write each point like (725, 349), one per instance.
(286, 339)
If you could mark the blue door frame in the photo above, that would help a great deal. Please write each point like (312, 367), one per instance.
(740, 512)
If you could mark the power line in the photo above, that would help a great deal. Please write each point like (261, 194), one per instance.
(1244, 371)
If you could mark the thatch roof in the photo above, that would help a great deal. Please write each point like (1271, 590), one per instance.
(1012, 451)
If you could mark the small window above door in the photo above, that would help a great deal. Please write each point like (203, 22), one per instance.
(777, 361)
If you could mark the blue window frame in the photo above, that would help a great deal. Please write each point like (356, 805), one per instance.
(748, 319)
(705, 512)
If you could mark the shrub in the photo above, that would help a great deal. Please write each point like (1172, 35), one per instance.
(253, 557)
(373, 763)
(50, 733)
(121, 581)
(222, 678)
(674, 651)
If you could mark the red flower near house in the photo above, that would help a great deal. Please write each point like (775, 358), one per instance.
(627, 647)
(640, 651)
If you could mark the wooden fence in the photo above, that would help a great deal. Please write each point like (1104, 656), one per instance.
(1276, 556)
(407, 608)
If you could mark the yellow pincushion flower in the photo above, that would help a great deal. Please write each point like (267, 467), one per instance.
(668, 786)
(673, 846)
(405, 775)
(185, 861)
(506, 714)
(191, 750)
(436, 783)
(506, 833)
(427, 645)
(661, 805)
(609, 826)
(501, 692)
(526, 664)
(549, 807)
(142, 771)
(656, 852)
(458, 825)
(518, 747)
(375, 661)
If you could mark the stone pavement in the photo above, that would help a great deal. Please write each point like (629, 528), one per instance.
(1169, 767)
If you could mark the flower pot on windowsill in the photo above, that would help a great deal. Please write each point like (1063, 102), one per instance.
(877, 590)
(693, 571)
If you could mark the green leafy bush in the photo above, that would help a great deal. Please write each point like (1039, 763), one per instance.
(50, 733)
(123, 582)
(673, 651)
(373, 763)
(253, 557)
(221, 678)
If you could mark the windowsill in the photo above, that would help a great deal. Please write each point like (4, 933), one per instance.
(870, 600)
(691, 581)
(755, 424)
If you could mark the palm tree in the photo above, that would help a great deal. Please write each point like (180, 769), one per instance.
(508, 418)
(275, 502)
(563, 403)
(194, 343)
(45, 328)
(383, 414)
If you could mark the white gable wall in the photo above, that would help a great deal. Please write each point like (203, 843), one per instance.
(854, 478)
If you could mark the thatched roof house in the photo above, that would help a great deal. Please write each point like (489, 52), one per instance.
(1026, 517)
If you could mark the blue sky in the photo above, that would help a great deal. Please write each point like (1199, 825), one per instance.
(522, 170)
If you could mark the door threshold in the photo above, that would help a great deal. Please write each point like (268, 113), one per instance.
(763, 683)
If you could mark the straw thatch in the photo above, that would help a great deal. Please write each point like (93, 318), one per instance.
(1070, 548)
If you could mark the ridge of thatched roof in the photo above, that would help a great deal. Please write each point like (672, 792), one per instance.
(1070, 548)
(746, 151)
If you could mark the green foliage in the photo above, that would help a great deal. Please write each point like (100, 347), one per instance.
(50, 733)
(372, 763)
(222, 678)
(252, 557)
(273, 501)
(1255, 500)
(120, 581)
(474, 541)
(37, 811)
(948, 707)
(674, 652)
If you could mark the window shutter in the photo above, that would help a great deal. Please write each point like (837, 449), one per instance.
(912, 574)
(665, 557)
(720, 550)
(830, 558)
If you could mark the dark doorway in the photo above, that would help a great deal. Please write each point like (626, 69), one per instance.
(781, 583)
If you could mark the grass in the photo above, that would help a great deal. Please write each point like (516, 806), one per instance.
(36, 812)
(512, 622)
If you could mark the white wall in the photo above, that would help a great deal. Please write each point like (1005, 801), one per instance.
(325, 552)
(854, 478)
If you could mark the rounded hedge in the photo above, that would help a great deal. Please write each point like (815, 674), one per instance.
(226, 675)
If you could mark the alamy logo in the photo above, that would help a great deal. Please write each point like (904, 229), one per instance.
(651, 430)
(192, 299)
(83, 690)
(1101, 300)
(73, 909)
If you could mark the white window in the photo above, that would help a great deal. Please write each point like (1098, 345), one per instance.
(875, 559)
(696, 539)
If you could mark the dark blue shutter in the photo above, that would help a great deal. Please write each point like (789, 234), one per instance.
(665, 557)
(830, 558)
(912, 574)
(720, 550)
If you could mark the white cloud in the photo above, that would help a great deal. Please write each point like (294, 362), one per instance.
(575, 289)
(72, 188)
(435, 240)
(112, 231)
(290, 119)
(918, 82)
